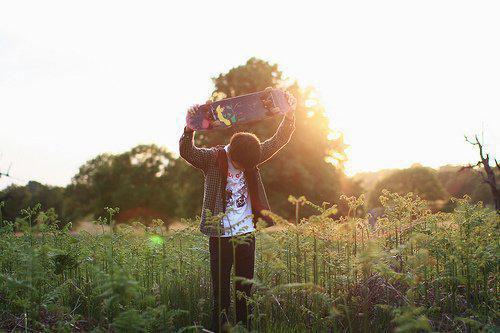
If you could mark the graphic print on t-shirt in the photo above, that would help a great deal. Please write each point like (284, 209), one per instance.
(236, 190)
(229, 198)
(238, 217)
(240, 202)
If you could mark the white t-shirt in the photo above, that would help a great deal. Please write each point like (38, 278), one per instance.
(238, 219)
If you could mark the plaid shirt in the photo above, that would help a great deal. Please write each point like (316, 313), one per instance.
(206, 159)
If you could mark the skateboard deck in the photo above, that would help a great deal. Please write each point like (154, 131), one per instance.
(239, 110)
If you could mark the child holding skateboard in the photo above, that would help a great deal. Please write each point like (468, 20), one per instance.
(233, 188)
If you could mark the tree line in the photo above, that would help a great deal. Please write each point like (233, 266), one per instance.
(150, 182)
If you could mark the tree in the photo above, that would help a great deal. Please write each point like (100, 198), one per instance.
(187, 185)
(138, 182)
(487, 173)
(148, 182)
(459, 182)
(419, 180)
(305, 166)
(18, 197)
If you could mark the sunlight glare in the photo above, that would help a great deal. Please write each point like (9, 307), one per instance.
(156, 240)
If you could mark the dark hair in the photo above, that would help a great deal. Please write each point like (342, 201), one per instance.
(244, 149)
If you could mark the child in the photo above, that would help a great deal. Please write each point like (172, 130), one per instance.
(233, 187)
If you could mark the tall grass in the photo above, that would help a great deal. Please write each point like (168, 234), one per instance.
(411, 271)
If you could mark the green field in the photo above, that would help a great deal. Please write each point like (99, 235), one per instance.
(411, 271)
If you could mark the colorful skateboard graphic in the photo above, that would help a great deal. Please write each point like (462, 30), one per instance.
(239, 110)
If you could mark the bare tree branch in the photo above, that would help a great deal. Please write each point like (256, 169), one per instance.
(470, 166)
(471, 142)
(487, 173)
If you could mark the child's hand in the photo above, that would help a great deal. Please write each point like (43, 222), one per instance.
(189, 115)
(192, 110)
(292, 101)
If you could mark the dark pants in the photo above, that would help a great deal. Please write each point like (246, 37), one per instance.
(221, 261)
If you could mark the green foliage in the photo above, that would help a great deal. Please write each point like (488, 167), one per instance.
(411, 271)
(17, 197)
(254, 76)
(419, 180)
(409, 319)
(140, 181)
(148, 182)
(304, 165)
(455, 180)
(130, 321)
(187, 183)
(459, 182)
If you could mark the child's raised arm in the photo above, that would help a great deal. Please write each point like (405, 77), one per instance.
(283, 134)
(197, 157)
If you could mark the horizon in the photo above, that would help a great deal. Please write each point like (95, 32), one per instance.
(400, 91)
(358, 175)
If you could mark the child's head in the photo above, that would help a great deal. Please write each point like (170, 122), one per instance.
(244, 150)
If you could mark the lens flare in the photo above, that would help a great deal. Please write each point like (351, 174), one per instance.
(156, 240)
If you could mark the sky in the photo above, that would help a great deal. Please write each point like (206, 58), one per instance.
(402, 80)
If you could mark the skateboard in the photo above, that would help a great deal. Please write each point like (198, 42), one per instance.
(242, 109)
